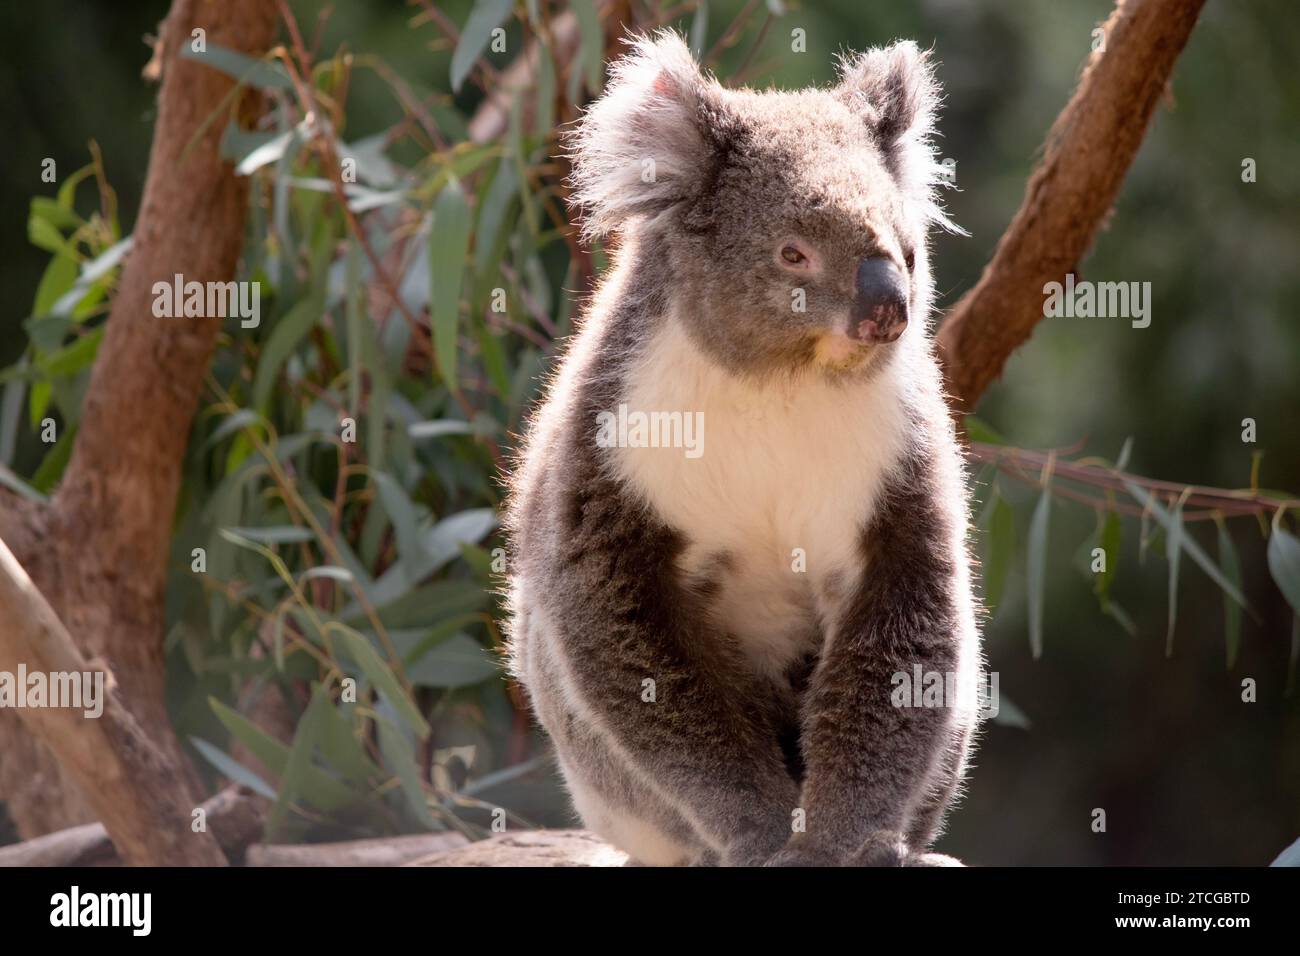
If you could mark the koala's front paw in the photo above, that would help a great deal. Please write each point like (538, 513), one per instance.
(752, 850)
(804, 853)
(882, 848)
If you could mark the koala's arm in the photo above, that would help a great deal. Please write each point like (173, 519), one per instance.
(704, 744)
(869, 763)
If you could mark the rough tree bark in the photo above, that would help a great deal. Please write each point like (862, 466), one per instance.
(1088, 151)
(99, 551)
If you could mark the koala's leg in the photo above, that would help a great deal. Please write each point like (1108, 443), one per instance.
(666, 691)
(611, 799)
(927, 819)
(870, 763)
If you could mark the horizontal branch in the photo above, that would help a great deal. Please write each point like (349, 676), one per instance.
(234, 816)
(379, 851)
(531, 848)
(1030, 466)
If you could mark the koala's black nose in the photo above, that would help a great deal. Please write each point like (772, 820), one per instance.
(879, 312)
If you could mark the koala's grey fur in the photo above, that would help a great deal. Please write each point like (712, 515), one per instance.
(770, 694)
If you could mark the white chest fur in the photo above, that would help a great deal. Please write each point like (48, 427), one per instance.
(775, 497)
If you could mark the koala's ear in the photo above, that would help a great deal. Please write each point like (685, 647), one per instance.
(646, 143)
(894, 89)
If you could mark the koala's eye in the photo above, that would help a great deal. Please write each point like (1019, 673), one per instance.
(909, 260)
(793, 256)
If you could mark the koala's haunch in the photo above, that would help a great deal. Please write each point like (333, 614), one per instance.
(711, 640)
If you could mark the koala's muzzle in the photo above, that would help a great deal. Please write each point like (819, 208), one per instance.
(879, 312)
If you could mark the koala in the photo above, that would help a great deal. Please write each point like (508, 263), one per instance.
(712, 640)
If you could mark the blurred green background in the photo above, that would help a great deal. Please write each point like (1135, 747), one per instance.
(1186, 772)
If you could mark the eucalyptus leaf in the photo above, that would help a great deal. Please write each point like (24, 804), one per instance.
(56, 280)
(268, 76)
(280, 534)
(592, 48)
(978, 430)
(91, 273)
(1001, 547)
(233, 769)
(1231, 564)
(405, 517)
(1288, 857)
(1173, 552)
(1186, 542)
(443, 541)
(275, 756)
(1037, 570)
(458, 661)
(235, 422)
(1110, 539)
(440, 428)
(423, 606)
(367, 658)
(1009, 715)
(291, 329)
(340, 747)
(329, 571)
(397, 754)
(699, 28)
(297, 776)
(448, 246)
(486, 16)
(1284, 565)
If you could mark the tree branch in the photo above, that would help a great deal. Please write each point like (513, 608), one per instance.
(129, 782)
(233, 815)
(1203, 503)
(1087, 153)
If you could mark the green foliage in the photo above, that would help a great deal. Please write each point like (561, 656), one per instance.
(997, 525)
(64, 328)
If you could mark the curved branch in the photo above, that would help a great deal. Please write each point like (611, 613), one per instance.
(1088, 151)
(128, 781)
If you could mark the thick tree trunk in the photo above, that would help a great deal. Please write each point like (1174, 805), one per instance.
(99, 552)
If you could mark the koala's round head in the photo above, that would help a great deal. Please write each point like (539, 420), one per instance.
(794, 222)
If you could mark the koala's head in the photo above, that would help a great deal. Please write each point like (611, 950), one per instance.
(794, 222)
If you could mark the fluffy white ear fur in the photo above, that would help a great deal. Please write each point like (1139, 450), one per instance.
(895, 91)
(894, 88)
(641, 146)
